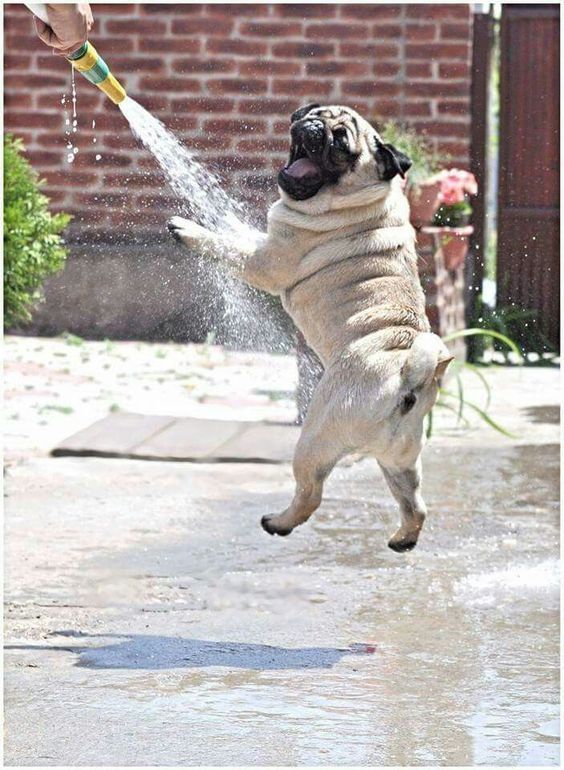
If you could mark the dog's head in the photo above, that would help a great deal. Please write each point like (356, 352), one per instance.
(334, 145)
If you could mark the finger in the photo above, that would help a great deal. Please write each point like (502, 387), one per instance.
(45, 33)
(67, 51)
(73, 45)
(69, 24)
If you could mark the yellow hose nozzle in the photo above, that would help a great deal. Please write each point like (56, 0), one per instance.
(88, 61)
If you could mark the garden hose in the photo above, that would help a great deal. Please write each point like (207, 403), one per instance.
(88, 61)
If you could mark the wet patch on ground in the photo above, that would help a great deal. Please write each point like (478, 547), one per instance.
(181, 632)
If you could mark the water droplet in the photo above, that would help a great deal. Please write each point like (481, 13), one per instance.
(98, 157)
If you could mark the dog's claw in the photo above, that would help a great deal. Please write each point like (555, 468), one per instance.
(190, 233)
(173, 228)
(400, 546)
(268, 525)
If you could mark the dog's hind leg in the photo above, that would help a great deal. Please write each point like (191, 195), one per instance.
(318, 450)
(405, 485)
(313, 462)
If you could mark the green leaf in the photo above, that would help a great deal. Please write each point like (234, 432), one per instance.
(460, 397)
(476, 370)
(484, 333)
(425, 160)
(443, 405)
(489, 420)
(429, 428)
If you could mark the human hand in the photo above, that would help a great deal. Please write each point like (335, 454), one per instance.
(68, 28)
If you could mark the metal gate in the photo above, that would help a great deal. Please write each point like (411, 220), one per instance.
(528, 268)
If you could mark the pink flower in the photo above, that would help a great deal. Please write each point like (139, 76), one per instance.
(451, 192)
(455, 184)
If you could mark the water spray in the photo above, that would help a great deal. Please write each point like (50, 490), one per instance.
(88, 62)
(198, 189)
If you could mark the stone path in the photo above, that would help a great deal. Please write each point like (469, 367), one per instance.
(58, 388)
(154, 437)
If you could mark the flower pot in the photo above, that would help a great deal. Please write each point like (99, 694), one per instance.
(423, 201)
(454, 248)
(453, 243)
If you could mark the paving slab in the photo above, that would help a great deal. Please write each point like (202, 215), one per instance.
(112, 436)
(261, 442)
(188, 439)
(152, 437)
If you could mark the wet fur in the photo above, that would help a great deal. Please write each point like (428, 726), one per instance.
(345, 266)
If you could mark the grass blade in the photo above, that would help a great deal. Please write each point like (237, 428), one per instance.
(460, 397)
(485, 417)
(429, 428)
(490, 421)
(485, 383)
(484, 333)
(444, 405)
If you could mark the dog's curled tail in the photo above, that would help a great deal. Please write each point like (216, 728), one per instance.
(427, 358)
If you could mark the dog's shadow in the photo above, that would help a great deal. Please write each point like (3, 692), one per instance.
(153, 653)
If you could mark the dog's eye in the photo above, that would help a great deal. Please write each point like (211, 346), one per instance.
(340, 139)
(408, 402)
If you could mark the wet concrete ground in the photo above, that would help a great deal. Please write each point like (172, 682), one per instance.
(150, 620)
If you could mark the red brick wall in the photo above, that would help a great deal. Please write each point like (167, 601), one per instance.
(225, 78)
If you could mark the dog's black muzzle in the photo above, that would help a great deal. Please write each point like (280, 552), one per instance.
(311, 135)
(303, 176)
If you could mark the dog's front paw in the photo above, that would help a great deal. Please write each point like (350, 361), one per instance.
(274, 527)
(177, 225)
(189, 233)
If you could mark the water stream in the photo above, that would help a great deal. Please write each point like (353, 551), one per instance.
(247, 317)
(197, 187)
(71, 121)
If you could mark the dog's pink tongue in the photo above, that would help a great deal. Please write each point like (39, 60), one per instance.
(302, 168)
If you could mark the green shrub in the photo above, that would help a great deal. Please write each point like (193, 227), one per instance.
(33, 248)
(520, 324)
(453, 215)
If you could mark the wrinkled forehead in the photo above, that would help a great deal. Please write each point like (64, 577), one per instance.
(334, 115)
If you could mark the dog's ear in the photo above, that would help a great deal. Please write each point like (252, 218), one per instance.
(442, 365)
(302, 112)
(390, 161)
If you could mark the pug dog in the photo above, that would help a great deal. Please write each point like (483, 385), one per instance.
(340, 252)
